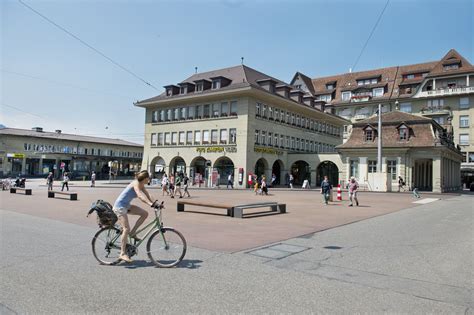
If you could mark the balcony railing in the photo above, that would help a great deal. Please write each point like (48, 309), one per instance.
(447, 91)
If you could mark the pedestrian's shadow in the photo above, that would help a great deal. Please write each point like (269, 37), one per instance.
(185, 263)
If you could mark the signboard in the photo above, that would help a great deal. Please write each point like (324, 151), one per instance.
(216, 149)
(16, 155)
(159, 168)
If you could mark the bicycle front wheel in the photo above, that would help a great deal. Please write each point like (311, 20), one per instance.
(166, 247)
(106, 246)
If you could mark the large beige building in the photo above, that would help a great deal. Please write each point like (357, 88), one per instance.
(442, 90)
(36, 153)
(237, 121)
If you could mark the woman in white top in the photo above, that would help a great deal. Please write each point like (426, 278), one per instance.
(164, 185)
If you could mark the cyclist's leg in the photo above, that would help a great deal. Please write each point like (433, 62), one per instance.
(123, 220)
(134, 210)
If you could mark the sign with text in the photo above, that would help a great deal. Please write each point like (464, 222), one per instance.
(216, 149)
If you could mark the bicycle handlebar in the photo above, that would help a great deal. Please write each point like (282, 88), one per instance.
(158, 206)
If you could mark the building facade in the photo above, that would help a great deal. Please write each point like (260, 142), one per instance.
(35, 153)
(237, 121)
(442, 90)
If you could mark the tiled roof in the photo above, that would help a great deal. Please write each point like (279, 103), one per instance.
(65, 136)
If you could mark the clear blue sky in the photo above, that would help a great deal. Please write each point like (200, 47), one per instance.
(162, 41)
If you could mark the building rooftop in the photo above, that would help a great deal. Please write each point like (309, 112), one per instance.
(64, 136)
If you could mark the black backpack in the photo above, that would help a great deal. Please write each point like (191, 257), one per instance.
(105, 215)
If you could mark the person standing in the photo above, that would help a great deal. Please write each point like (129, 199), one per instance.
(353, 186)
(287, 179)
(274, 178)
(171, 188)
(177, 186)
(65, 181)
(326, 189)
(264, 186)
(230, 181)
(218, 179)
(164, 185)
(93, 179)
(291, 179)
(186, 184)
(50, 180)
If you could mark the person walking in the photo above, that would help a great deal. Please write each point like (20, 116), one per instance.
(353, 186)
(93, 179)
(264, 186)
(287, 180)
(50, 180)
(291, 180)
(177, 186)
(230, 181)
(186, 184)
(164, 185)
(65, 181)
(218, 180)
(274, 178)
(171, 185)
(401, 184)
(326, 189)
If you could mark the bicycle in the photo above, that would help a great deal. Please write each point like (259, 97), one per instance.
(166, 246)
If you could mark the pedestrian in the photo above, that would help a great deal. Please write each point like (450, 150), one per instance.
(287, 179)
(401, 184)
(291, 180)
(353, 186)
(264, 186)
(65, 181)
(50, 180)
(177, 186)
(256, 187)
(415, 193)
(274, 178)
(186, 183)
(171, 185)
(230, 181)
(164, 185)
(218, 179)
(326, 189)
(93, 179)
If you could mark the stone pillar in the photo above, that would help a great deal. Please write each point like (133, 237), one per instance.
(40, 166)
(434, 84)
(467, 80)
(23, 166)
(437, 173)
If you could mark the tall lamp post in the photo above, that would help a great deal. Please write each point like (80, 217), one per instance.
(379, 141)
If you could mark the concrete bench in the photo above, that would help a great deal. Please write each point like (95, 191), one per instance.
(181, 203)
(27, 191)
(275, 207)
(72, 195)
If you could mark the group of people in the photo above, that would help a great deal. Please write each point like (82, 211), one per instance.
(352, 186)
(260, 186)
(64, 182)
(172, 185)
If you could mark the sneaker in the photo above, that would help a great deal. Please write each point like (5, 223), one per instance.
(180, 197)
(125, 258)
(357, 203)
(350, 205)
(172, 197)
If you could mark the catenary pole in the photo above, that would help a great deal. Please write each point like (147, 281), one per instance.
(379, 141)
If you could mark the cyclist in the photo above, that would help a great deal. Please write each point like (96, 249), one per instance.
(122, 207)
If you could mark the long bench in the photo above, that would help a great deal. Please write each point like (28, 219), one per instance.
(72, 195)
(238, 211)
(181, 203)
(27, 191)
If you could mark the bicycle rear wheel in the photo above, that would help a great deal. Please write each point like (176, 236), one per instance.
(106, 246)
(166, 248)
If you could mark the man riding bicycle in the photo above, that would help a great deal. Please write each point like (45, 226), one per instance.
(122, 207)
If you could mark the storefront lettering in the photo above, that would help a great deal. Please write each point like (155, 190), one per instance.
(216, 149)
(268, 151)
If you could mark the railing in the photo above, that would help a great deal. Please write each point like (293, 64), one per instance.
(447, 91)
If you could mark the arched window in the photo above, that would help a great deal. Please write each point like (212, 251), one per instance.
(403, 134)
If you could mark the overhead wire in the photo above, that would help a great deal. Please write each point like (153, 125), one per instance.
(87, 45)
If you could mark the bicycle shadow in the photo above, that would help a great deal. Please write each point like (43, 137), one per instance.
(185, 263)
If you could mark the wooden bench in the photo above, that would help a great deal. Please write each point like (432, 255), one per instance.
(181, 203)
(238, 211)
(27, 191)
(72, 195)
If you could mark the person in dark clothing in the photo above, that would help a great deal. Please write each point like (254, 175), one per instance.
(326, 189)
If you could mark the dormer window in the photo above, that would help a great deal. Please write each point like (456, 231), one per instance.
(403, 133)
(331, 85)
(199, 87)
(377, 92)
(346, 96)
(169, 92)
(369, 134)
(451, 66)
(367, 81)
(216, 84)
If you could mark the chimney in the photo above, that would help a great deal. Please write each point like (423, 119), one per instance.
(37, 129)
(283, 90)
(58, 131)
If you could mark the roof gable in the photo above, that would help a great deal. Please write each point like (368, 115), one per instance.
(452, 57)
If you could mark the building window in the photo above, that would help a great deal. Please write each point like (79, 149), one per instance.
(160, 138)
(167, 138)
(169, 114)
(199, 87)
(436, 104)
(326, 98)
(264, 111)
(451, 67)
(197, 137)
(198, 112)
(233, 108)
(276, 140)
(372, 167)
(216, 110)
(205, 136)
(329, 86)
(403, 133)
(463, 102)
(276, 113)
(282, 141)
(223, 136)
(410, 76)
(263, 138)
(154, 139)
(154, 116)
(298, 122)
(190, 112)
(392, 169)
(292, 119)
(346, 96)
(216, 84)
(257, 136)
(464, 139)
(224, 109)
(270, 139)
(464, 121)
(258, 109)
(232, 135)
(378, 92)
(369, 134)
(470, 157)
(189, 137)
(182, 137)
(206, 112)
(214, 136)
(405, 107)
(282, 116)
(440, 119)
(174, 138)
(176, 114)
(354, 168)
(162, 116)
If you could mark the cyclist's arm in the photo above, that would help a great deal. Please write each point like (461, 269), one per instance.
(142, 196)
(147, 193)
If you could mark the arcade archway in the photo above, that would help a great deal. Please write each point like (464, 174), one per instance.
(224, 166)
(198, 171)
(157, 167)
(329, 169)
(260, 167)
(301, 171)
(177, 165)
(277, 169)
